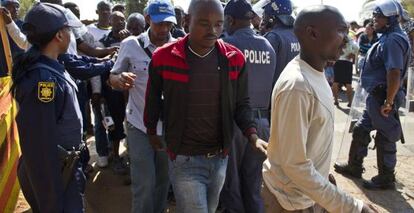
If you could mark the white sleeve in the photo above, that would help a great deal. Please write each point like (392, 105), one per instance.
(18, 37)
(292, 115)
(122, 62)
(96, 84)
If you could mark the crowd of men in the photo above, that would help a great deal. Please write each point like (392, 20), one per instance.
(215, 102)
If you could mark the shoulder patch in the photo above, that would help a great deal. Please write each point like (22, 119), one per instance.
(46, 91)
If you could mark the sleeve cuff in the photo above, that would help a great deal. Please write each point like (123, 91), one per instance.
(359, 204)
(250, 131)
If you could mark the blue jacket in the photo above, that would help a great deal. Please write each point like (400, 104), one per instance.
(260, 64)
(286, 46)
(48, 116)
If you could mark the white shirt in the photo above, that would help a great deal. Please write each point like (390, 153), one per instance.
(132, 58)
(97, 33)
(301, 141)
(18, 37)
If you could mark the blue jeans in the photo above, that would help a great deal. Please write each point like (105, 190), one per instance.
(149, 173)
(101, 138)
(197, 182)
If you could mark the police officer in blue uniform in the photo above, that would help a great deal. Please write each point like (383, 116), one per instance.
(241, 191)
(49, 118)
(383, 70)
(278, 16)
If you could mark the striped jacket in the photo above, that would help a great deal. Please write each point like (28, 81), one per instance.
(167, 91)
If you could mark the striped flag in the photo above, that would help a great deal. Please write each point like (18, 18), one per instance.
(9, 139)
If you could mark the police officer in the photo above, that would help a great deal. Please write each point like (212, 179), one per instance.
(384, 67)
(49, 118)
(241, 191)
(278, 16)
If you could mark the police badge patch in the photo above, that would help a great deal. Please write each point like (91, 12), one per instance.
(46, 91)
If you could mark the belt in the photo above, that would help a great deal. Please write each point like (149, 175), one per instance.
(261, 113)
(213, 154)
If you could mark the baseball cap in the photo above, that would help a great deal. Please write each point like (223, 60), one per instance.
(161, 10)
(44, 18)
(282, 9)
(239, 9)
(5, 2)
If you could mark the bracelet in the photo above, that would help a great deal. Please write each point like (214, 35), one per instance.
(387, 104)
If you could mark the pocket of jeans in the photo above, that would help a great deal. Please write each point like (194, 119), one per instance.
(181, 161)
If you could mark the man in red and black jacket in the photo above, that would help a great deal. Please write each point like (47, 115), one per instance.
(199, 84)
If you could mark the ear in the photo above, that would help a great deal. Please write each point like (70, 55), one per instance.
(312, 32)
(148, 19)
(96, 11)
(59, 36)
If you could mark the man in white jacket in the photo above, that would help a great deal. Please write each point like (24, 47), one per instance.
(302, 121)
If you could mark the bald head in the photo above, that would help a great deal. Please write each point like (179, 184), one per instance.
(316, 16)
(321, 31)
(196, 5)
(136, 23)
(117, 20)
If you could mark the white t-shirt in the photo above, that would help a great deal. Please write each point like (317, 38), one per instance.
(132, 58)
(301, 141)
(97, 33)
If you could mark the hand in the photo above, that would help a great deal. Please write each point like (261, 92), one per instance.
(368, 208)
(6, 15)
(124, 33)
(386, 109)
(111, 50)
(123, 81)
(156, 143)
(96, 100)
(258, 143)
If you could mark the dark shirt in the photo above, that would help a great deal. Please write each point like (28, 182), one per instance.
(177, 32)
(203, 121)
(364, 43)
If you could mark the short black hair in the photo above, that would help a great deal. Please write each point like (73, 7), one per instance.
(103, 4)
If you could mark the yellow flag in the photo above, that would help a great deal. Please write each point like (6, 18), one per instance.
(9, 139)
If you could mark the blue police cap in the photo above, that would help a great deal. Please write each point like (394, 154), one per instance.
(281, 9)
(161, 10)
(239, 9)
(6, 2)
(45, 18)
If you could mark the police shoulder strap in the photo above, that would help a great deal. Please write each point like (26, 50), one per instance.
(58, 74)
(147, 51)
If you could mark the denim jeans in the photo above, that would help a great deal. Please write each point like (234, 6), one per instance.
(197, 182)
(149, 173)
(101, 138)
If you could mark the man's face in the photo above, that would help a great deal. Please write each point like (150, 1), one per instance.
(104, 11)
(369, 29)
(135, 27)
(117, 21)
(333, 38)
(379, 21)
(161, 31)
(14, 10)
(206, 25)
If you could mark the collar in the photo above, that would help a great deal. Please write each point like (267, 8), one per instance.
(51, 63)
(147, 41)
(179, 47)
